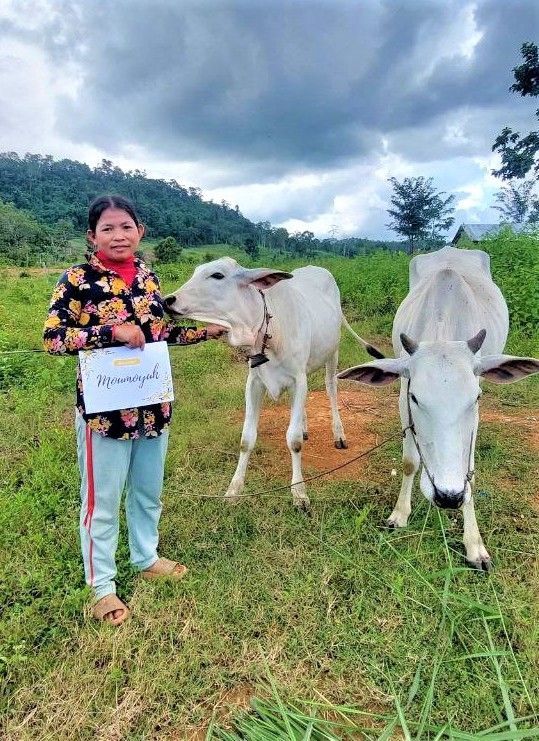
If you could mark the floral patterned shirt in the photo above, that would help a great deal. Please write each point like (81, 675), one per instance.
(87, 302)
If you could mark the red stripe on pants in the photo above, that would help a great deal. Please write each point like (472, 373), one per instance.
(90, 497)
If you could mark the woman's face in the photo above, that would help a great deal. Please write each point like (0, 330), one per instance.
(116, 234)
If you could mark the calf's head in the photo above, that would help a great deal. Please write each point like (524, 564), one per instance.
(442, 394)
(223, 292)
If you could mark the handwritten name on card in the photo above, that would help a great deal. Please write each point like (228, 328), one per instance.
(120, 378)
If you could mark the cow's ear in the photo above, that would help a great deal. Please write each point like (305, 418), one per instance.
(262, 278)
(505, 368)
(379, 373)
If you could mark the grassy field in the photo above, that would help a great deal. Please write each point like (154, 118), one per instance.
(383, 632)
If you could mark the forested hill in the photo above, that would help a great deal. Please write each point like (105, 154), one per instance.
(50, 201)
(59, 191)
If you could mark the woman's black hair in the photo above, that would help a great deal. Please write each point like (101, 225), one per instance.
(100, 204)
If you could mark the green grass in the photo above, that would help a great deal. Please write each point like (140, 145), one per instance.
(336, 625)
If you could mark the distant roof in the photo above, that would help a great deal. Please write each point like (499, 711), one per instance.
(477, 232)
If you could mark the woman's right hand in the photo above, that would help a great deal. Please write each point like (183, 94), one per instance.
(130, 334)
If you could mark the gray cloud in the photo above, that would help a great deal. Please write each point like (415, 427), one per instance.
(284, 84)
(250, 92)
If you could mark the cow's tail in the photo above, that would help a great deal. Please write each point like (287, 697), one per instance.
(373, 351)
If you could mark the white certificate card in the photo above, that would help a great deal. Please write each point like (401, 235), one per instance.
(120, 378)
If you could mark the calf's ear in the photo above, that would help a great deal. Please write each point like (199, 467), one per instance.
(379, 373)
(506, 368)
(262, 278)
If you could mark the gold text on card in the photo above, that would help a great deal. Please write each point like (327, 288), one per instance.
(126, 361)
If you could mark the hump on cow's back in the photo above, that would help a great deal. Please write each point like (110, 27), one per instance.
(316, 284)
(465, 262)
(314, 275)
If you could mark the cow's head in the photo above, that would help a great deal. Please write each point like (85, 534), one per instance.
(442, 385)
(222, 292)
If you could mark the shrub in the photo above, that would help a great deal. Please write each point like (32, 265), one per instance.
(251, 248)
(168, 250)
(25, 241)
(515, 268)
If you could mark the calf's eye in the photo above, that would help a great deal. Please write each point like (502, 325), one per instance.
(217, 276)
(412, 397)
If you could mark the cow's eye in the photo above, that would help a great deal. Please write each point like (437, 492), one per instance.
(412, 397)
(217, 276)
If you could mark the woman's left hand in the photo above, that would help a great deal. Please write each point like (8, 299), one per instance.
(214, 330)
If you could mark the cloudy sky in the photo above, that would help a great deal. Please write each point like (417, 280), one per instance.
(296, 110)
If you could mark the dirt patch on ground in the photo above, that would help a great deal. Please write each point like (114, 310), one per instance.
(368, 416)
(526, 421)
(364, 413)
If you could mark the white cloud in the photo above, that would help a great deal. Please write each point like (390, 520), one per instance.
(29, 88)
(27, 15)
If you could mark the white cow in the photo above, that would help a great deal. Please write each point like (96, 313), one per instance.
(449, 332)
(301, 319)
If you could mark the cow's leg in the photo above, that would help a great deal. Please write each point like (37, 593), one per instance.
(410, 465)
(305, 426)
(294, 440)
(476, 554)
(331, 388)
(254, 392)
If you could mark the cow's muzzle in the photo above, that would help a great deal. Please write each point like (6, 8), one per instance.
(169, 301)
(448, 499)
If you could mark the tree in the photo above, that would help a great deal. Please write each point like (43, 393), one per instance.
(278, 238)
(25, 241)
(420, 213)
(168, 250)
(251, 247)
(303, 243)
(263, 230)
(517, 202)
(520, 153)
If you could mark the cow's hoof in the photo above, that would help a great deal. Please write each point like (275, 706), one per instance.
(305, 435)
(303, 506)
(232, 499)
(341, 444)
(396, 521)
(480, 564)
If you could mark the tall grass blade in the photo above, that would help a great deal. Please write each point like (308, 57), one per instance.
(501, 681)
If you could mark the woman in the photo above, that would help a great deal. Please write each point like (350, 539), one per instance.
(114, 299)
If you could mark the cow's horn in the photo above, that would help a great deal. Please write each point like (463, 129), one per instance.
(409, 345)
(477, 340)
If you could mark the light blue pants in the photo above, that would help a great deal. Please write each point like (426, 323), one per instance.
(107, 466)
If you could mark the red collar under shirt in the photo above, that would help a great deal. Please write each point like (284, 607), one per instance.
(126, 269)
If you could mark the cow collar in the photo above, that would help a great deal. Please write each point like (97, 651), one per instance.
(260, 358)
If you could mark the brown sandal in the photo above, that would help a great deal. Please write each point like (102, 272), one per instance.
(164, 567)
(108, 605)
